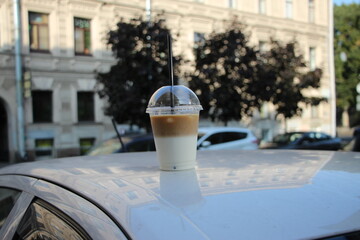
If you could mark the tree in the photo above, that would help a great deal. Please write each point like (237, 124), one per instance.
(232, 79)
(281, 78)
(347, 57)
(224, 66)
(141, 51)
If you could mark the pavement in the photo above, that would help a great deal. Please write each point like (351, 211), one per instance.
(344, 132)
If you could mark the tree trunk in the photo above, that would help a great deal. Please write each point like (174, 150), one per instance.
(345, 119)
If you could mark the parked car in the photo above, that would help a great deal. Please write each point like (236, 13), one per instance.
(215, 138)
(267, 194)
(209, 139)
(132, 143)
(305, 140)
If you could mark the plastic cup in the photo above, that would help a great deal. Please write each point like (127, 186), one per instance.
(174, 115)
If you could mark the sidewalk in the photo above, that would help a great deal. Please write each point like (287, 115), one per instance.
(344, 132)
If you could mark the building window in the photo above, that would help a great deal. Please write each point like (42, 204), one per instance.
(42, 106)
(39, 32)
(312, 58)
(85, 106)
(314, 111)
(232, 3)
(86, 144)
(44, 148)
(199, 39)
(288, 8)
(82, 36)
(262, 46)
(311, 11)
(262, 6)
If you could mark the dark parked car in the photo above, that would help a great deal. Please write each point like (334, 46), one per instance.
(305, 140)
(132, 143)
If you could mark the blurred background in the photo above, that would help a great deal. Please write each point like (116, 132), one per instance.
(70, 67)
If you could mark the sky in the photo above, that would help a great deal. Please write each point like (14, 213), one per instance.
(339, 2)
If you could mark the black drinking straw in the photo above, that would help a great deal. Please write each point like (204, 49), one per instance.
(171, 71)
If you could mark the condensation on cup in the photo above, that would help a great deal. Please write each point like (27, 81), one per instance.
(174, 114)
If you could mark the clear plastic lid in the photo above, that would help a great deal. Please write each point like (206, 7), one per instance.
(176, 99)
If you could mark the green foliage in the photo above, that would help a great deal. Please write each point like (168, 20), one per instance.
(282, 77)
(233, 79)
(347, 53)
(224, 67)
(142, 67)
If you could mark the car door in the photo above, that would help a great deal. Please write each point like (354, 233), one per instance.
(46, 211)
(318, 141)
(312, 141)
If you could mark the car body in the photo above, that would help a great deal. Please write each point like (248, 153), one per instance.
(132, 143)
(215, 138)
(262, 194)
(305, 140)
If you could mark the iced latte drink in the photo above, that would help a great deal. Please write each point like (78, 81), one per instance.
(175, 125)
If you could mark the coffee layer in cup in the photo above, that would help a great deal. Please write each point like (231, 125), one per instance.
(174, 125)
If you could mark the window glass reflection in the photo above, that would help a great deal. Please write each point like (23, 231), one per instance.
(8, 198)
(43, 221)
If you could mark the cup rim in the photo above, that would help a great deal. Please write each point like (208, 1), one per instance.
(190, 109)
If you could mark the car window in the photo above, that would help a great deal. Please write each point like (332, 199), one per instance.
(322, 137)
(42, 221)
(141, 146)
(316, 137)
(224, 137)
(106, 147)
(215, 138)
(295, 137)
(8, 198)
(233, 136)
(287, 138)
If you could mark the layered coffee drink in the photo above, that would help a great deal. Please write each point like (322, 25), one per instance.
(174, 116)
(175, 125)
(176, 139)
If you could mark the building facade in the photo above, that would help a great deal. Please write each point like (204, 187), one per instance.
(63, 43)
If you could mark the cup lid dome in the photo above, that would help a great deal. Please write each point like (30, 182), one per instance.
(176, 98)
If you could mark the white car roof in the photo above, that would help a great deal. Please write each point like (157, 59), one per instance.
(264, 194)
(222, 129)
